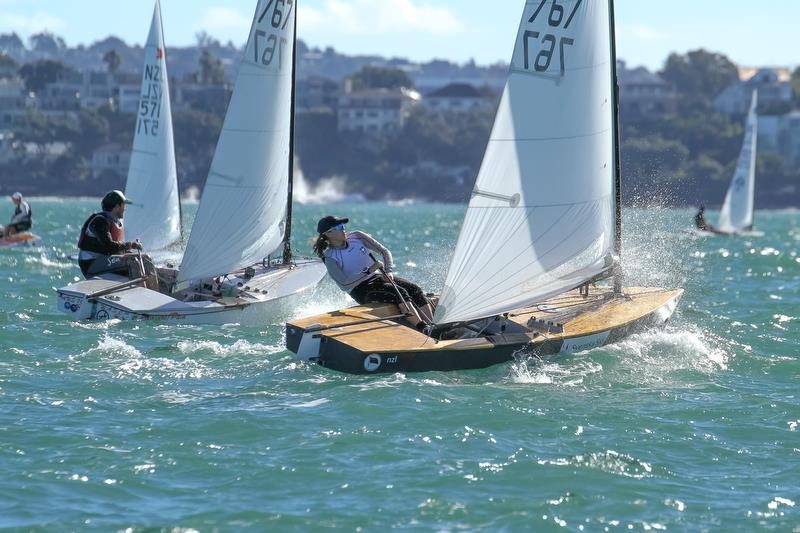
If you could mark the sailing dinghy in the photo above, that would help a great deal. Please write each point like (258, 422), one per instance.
(155, 217)
(542, 226)
(227, 273)
(736, 215)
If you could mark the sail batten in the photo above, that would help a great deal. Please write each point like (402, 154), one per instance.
(152, 183)
(737, 209)
(541, 217)
(241, 217)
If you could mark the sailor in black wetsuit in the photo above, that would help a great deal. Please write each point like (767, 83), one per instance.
(22, 219)
(103, 248)
(700, 220)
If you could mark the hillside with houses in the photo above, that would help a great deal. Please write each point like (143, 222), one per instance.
(383, 128)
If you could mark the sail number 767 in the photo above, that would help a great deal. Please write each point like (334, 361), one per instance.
(265, 44)
(555, 18)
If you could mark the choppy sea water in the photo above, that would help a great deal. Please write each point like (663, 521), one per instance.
(127, 426)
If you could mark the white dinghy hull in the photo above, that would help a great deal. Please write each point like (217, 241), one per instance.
(266, 297)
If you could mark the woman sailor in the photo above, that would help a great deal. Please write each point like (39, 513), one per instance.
(348, 257)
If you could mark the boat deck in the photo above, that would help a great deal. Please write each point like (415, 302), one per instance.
(569, 322)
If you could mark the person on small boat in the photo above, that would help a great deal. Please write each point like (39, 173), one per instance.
(21, 220)
(346, 255)
(700, 220)
(103, 248)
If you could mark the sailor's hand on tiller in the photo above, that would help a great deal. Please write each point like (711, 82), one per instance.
(134, 246)
(375, 266)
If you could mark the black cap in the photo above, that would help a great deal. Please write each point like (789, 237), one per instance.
(113, 199)
(329, 222)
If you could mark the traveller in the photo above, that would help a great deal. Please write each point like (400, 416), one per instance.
(103, 248)
(348, 257)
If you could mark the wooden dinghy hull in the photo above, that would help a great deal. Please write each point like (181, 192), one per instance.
(362, 340)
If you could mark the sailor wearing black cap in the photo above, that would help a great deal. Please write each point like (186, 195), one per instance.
(348, 257)
(102, 244)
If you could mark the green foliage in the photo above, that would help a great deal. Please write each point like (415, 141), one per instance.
(380, 78)
(653, 156)
(699, 76)
(112, 60)
(6, 61)
(212, 72)
(796, 84)
(37, 75)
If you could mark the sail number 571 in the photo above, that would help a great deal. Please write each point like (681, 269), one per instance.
(555, 18)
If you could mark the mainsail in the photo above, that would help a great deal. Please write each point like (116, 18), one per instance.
(541, 217)
(241, 215)
(737, 210)
(155, 215)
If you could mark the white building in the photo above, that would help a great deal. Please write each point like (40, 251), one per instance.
(773, 87)
(14, 101)
(375, 111)
(111, 158)
(455, 98)
(780, 134)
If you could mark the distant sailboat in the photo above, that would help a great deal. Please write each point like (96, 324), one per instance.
(542, 225)
(227, 274)
(155, 216)
(736, 214)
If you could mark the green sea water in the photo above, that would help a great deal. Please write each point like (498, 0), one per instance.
(142, 427)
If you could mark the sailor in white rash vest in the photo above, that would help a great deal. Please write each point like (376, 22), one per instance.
(346, 255)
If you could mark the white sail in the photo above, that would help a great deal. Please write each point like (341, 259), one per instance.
(541, 217)
(737, 210)
(241, 215)
(155, 215)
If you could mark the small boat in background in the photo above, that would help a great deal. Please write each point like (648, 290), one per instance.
(736, 214)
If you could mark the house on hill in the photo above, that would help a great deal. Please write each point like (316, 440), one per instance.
(455, 98)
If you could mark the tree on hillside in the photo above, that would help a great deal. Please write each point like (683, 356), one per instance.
(204, 40)
(11, 42)
(7, 65)
(796, 84)
(211, 70)
(46, 42)
(699, 76)
(38, 74)
(380, 78)
(112, 60)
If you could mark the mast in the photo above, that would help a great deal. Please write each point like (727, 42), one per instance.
(617, 270)
(287, 239)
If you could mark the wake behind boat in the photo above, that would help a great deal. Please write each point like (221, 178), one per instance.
(227, 273)
(542, 226)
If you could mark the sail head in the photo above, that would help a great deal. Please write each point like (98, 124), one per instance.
(541, 217)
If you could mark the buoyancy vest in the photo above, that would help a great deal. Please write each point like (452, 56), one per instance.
(18, 210)
(87, 235)
(353, 261)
